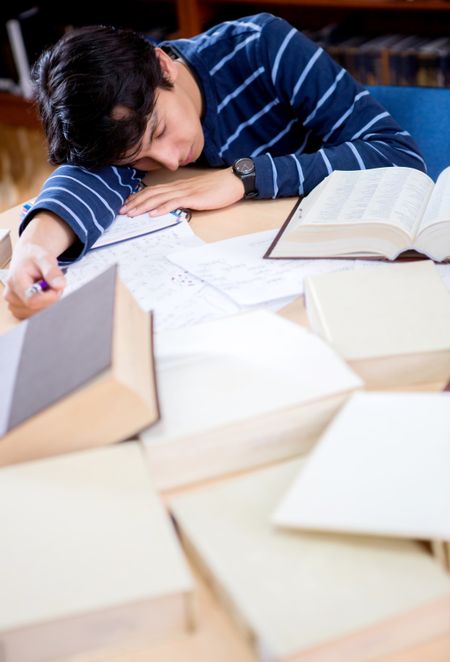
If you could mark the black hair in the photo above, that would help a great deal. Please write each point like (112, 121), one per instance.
(81, 79)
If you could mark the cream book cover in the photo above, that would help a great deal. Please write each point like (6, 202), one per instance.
(391, 323)
(381, 467)
(239, 392)
(303, 596)
(5, 247)
(88, 557)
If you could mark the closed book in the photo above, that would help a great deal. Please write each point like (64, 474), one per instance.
(304, 596)
(239, 392)
(5, 247)
(391, 322)
(380, 468)
(89, 558)
(78, 374)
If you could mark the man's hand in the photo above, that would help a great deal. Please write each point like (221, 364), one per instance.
(35, 258)
(30, 264)
(212, 190)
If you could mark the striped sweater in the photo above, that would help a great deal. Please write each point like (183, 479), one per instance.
(269, 93)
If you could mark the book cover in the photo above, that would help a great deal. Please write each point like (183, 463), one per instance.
(77, 374)
(390, 322)
(5, 247)
(380, 468)
(89, 557)
(304, 596)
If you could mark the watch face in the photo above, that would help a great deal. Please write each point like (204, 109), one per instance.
(245, 166)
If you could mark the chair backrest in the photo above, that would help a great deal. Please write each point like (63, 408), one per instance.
(425, 113)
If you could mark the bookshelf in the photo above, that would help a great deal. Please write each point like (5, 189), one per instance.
(424, 59)
(194, 15)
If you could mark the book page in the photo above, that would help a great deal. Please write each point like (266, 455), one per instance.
(438, 208)
(397, 196)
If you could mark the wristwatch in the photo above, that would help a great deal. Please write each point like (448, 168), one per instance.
(244, 168)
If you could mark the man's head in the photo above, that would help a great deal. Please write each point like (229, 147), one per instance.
(97, 89)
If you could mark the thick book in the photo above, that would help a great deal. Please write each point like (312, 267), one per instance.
(89, 557)
(390, 322)
(78, 374)
(5, 247)
(240, 392)
(379, 213)
(380, 468)
(310, 596)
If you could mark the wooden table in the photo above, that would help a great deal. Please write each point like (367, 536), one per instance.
(217, 638)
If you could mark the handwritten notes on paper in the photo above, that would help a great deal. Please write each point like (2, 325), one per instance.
(236, 268)
(176, 297)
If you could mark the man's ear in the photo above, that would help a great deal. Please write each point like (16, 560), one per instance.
(168, 66)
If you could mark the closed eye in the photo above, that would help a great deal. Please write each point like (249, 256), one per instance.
(160, 134)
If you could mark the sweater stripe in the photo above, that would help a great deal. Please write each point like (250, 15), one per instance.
(306, 71)
(249, 122)
(358, 158)
(239, 89)
(287, 39)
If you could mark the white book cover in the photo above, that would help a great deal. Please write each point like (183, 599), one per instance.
(227, 372)
(310, 596)
(382, 467)
(388, 310)
(88, 556)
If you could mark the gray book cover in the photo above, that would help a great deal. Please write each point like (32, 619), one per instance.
(50, 355)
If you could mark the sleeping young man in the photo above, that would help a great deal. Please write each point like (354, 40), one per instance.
(264, 108)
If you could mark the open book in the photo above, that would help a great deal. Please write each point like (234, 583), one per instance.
(77, 375)
(370, 213)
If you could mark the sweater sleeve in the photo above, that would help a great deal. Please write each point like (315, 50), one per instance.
(86, 200)
(347, 129)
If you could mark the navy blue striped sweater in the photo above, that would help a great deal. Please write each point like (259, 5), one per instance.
(269, 93)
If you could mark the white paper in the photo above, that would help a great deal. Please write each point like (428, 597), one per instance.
(246, 365)
(125, 227)
(176, 297)
(236, 267)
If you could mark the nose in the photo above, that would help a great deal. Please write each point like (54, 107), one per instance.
(165, 155)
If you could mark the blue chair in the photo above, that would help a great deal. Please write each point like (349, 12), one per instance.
(425, 113)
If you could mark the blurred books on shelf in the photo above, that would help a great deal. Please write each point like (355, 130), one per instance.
(389, 59)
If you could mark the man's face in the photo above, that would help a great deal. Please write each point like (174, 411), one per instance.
(174, 135)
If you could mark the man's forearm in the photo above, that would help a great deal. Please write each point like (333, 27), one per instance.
(49, 231)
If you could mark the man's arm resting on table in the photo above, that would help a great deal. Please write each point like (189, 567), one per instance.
(35, 257)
